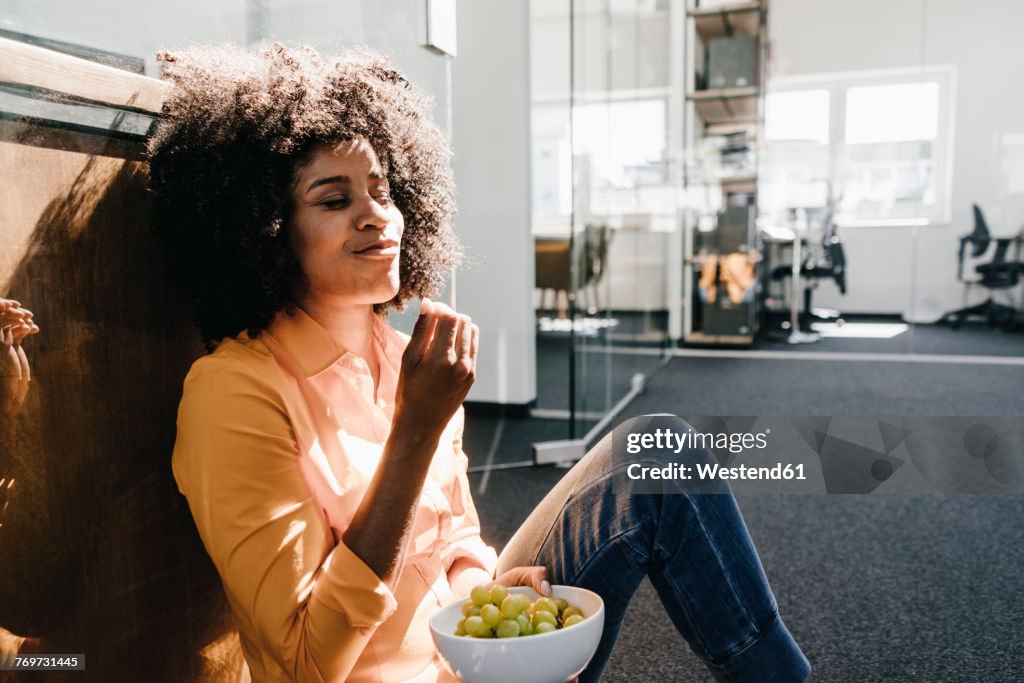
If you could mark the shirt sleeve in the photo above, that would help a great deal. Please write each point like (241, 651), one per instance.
(310, 601)
(464, 541)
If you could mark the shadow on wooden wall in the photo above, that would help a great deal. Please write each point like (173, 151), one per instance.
(98, 551)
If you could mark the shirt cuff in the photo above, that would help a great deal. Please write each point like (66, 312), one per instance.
(347, 585)
(477, 552)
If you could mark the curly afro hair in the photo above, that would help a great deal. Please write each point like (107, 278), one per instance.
(238, 125)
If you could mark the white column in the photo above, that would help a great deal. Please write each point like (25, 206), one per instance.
(490, 96)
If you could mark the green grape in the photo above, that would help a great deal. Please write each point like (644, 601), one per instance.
(480, 595)
(498, 593)
(543, 627)
(572, 621)
(543, 617)
(524, 623)
(476, 627)
(511, 607)
(524, 601)
(569, 611)
(460, 628)
(545, 605)
(491, 615)
(561, 603)
(507, 629)
(467, 606)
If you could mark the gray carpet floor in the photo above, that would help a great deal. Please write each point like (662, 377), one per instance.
(972, 338)
(601, 378)
(874, 588)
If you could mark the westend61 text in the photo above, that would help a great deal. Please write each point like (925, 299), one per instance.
(707, 471)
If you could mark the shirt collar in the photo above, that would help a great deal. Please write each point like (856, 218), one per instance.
(313, 348)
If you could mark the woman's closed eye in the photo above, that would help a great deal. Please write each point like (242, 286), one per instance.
(336, 202)
(384, 197)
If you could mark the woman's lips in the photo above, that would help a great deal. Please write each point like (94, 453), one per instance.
(388, 249)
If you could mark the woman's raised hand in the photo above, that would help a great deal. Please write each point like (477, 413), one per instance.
(438, 369)
(15, 324)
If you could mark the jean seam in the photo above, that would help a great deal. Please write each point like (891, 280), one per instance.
(572, 496)
(684, 598)
(551, 529)
(605, 546)
(721, 563)
(751, 642)
(685, 594)
(597, 553)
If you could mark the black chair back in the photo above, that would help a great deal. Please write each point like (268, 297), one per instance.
(981, 235)
(838, 257)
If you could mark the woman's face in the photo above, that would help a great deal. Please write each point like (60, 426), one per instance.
(345, 229)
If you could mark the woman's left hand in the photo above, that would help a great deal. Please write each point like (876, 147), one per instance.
(535, 577)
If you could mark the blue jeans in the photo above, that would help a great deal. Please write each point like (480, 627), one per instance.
(598, 529)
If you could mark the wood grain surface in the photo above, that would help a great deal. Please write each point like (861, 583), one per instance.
(98, 551)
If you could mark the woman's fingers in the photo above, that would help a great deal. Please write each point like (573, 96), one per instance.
(474, 343)
(26, 375)
(539, 580)
(464, 340)
(26, 371)
(23, 330)
(444, 334)
(536, 577)
(422, 331)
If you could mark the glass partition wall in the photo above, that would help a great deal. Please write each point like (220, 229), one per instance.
(897, 171)
(622, 213)
(601, 201)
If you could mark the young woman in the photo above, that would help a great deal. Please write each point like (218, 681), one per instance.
(321, 451)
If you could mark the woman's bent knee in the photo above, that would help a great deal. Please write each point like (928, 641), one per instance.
(665, 454)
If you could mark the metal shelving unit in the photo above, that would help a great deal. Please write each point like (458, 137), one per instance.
(727, 111)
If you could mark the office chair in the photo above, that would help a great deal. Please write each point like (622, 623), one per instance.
(828, 260)
(993, 272)
(553, 260)
(593, 264)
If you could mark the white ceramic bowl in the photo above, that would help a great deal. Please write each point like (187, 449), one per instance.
(553, 657)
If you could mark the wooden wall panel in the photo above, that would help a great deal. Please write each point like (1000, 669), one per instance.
(98, 552)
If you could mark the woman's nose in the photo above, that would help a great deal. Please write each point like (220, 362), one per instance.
(374, 216)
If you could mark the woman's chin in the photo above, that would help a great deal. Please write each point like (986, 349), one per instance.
(384, 295)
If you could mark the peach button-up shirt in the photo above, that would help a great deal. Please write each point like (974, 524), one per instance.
(278, 438)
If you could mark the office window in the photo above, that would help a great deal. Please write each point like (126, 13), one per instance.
(880, 143)
(624, 141)
(795, 165)
(904, 112)
(619, 163)
(797, 116)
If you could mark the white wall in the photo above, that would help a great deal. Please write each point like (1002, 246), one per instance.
(982, 40)
(491, 136)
